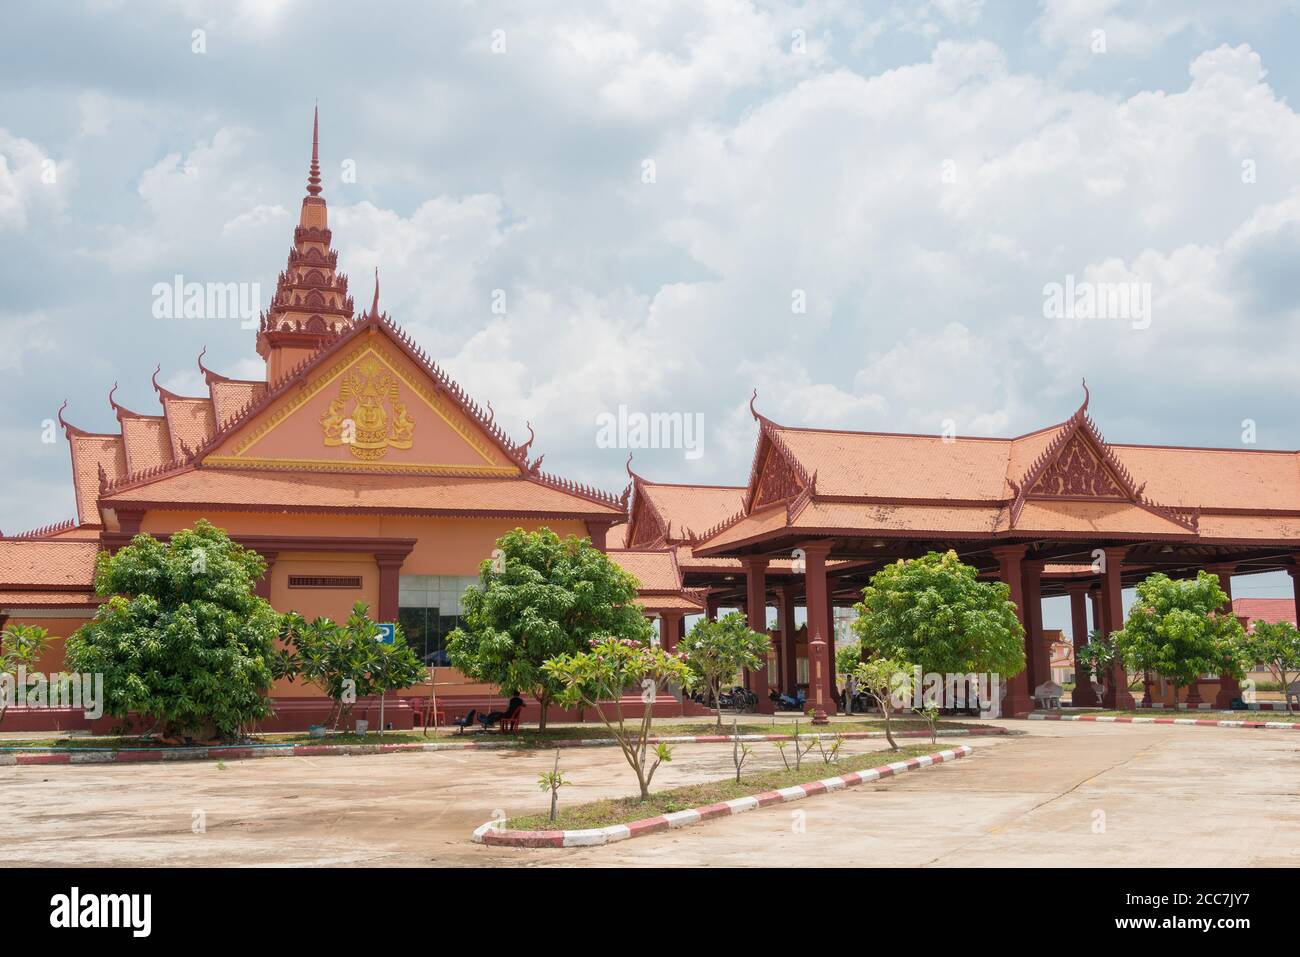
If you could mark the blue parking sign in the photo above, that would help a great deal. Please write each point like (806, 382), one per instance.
(387, 633)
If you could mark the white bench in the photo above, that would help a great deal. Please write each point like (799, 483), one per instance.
(1048, 696)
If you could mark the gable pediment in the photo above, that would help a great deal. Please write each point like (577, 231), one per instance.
(1078, 471)
(366, 408)
(777, 479)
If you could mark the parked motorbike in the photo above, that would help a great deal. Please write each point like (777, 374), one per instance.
(785, 702)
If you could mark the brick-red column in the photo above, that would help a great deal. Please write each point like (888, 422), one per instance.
(819, 692)
(711, 608)
(669, 628)
(1083, 696)
(830, 638)
(390, 567)
(1008, 558)
(790, 658)
(756, 601)
(1229, 688)
(263, 587)
(598, 533)
(1037, 659)
(1112, 588)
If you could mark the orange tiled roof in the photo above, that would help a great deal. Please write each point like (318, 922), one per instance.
(191, 423)
(655, 569)
(47, 564)
(342, 491)
(91, 454)
(1216, 478)
(1265, 609)
(1064, 480)
(692, 508)
(147, 442)
(682, 602)
(232, 396)
(49, 599)
(901, 466)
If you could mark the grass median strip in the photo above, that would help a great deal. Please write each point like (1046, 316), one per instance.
(527, 737)
(625, 810)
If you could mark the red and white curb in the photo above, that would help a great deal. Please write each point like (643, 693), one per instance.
(21, 756)
(490, 833)
(1200, 722)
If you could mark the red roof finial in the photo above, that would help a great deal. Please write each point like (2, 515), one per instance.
(374, 306)
(313, 178)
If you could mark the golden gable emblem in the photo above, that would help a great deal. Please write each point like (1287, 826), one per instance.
(367, 415)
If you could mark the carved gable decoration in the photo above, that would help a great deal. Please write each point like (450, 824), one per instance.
(777, 481)
(370, 408)
(648, 527)
(1077, 472)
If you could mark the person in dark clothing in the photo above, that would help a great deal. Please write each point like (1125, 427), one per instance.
(492, 717)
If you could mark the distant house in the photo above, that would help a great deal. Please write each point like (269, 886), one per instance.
(1252, 610)
(1062, 655)
(1263, 609)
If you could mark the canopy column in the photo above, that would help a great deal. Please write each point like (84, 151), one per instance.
(756, 600)
(1038, 659)
(1229, 689)
(789, 654)
(670, 629)
(1009, 571)
(1112, 590)
(1083, 696)
(819, 679)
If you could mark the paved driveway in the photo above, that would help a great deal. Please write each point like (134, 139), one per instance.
(1055, 793)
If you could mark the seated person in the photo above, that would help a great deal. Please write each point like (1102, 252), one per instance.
(492, 717)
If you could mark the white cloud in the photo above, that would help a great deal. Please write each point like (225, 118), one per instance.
(31, 182)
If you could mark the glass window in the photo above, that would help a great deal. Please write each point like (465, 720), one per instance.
(429, 609)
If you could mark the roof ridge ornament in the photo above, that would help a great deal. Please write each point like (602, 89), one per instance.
(374, 307)
(313, 175)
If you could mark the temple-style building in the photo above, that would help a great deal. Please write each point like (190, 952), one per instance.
(356, 467)
(1059, 511)
(361, 471)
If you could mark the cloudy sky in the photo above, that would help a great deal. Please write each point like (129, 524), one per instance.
(916, 173)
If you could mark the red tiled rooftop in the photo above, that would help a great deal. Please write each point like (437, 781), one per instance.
(309, 491)
(1265, 609)
(48, 564)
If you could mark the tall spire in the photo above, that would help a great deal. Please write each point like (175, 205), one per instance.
(313, 177)
(311, 305)
(374, 308)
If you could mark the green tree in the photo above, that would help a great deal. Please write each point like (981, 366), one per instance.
(1094, 660)
(1179, 629)
(887, 682)
(935, 612)
(347, 661)
(183, 639)
(1277, 645)
(847, 657)
(597, 678)
(715, 651)
(21, 646)
(541, 596)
